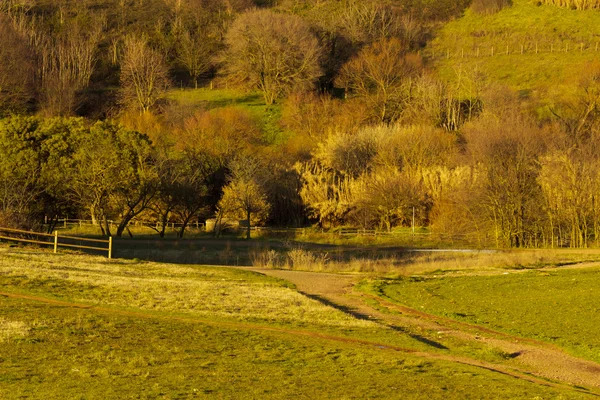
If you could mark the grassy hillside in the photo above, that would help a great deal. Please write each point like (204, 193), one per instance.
(74, 325)
(546, 45)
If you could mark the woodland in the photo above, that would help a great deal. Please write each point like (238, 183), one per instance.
(332, 113)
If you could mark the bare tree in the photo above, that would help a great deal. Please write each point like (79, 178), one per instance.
(379, 75)
(274, 53)
(366, 22)
(65, 63)
(144, 74)
(195, 53)
(16, 67)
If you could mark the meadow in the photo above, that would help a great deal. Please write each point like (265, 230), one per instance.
(77, 326)
(546, 47)
(558, 306)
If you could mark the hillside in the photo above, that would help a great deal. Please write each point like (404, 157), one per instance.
(546, 45)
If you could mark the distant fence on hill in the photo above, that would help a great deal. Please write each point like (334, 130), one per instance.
(56, 241)
(480, 51)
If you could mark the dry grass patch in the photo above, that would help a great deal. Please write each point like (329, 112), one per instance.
(424, 261)
(197, 290)
(12, 329)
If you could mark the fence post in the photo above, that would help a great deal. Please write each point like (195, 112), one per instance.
(55, 242)
(110, 247)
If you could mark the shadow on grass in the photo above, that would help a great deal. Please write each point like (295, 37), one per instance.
(419, 338)
(363, 316)
(344, 309)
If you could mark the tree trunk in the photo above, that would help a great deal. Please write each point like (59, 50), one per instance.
(106, 226)
(248, 228)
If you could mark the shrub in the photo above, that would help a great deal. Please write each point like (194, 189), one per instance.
(489, 6)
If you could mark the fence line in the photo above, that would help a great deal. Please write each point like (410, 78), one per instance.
(516, 49)
(54, 240)
(66, 222)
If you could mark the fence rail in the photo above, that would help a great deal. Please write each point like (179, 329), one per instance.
(55, 240)
(70, 222)
(481, 50)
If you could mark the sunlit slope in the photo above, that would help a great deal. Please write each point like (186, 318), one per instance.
(526, 46)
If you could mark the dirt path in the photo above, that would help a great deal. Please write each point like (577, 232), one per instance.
(524, 356)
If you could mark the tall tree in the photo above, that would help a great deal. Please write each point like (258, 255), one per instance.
(16, 68)
(272, 52)
(144, 74)
(115, 175)
(379, 75)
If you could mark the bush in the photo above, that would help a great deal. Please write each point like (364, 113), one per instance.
(487, 7)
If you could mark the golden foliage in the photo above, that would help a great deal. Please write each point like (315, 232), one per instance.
(574, 4)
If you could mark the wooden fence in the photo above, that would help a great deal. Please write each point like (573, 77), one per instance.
(66, 223)
(485, 50)
(57, 240)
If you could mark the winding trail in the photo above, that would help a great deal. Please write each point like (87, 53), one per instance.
(526, 357)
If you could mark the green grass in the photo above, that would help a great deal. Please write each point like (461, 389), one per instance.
(73, 354)
(252, 102)
(181, 331)
(559, 307)
(523, 24)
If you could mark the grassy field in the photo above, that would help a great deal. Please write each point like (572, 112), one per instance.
(559, 307)
(205, 292)
(59, 353)
(148, 330)
(551, 38)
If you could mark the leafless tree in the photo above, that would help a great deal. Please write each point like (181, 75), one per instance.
(272, 52)
(195, 52)
(66, 62)
(16, 67)
(144, 74)
(379, 75)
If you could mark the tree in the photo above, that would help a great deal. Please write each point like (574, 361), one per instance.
(35, 156)
(578, 106)
(366, 22)
(506, 151)
(185, 187)
(379, 75)
(114, 175)
(243, 196)
(144, 74)
(326, 193)
(16, 68)
(275, 53)
(66, 62)
(195, 47)
(223, 132)
(388, 197)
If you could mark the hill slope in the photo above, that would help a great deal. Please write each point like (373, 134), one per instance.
(525, 46)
